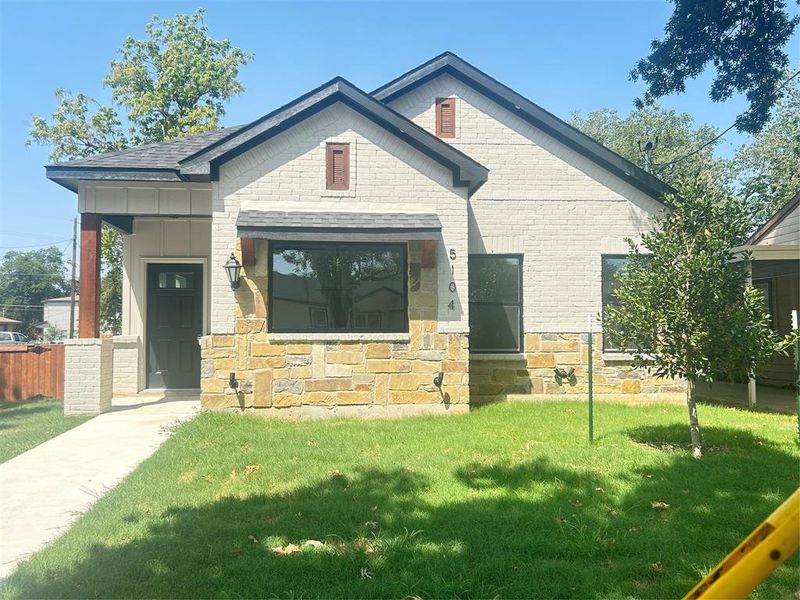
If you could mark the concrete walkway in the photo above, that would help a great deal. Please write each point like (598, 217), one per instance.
(44, 490)
(782, 400)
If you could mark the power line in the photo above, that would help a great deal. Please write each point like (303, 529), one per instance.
(37, 245)
(717, 137)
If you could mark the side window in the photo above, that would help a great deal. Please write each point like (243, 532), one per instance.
(611, 265)
(495, 303)
(5, 337)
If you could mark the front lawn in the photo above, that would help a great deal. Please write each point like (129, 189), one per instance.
(508, 501)
(24, 425)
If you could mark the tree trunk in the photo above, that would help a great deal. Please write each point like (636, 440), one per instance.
(694, 424)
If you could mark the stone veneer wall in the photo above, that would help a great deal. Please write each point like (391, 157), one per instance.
(531, 372)
(316, 377)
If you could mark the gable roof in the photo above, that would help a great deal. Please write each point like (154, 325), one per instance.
(774, 220)
(198, 158)
(532, 113)
(466, 171)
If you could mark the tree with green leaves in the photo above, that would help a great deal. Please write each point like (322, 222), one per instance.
(683, 305)
(173, 83)
(26, 280)
(768, 169)
(743, 40)
(673, 135)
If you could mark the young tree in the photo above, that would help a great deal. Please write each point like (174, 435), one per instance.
(684, 306)
(768, 169)
(174, 83)
(26, 280)
(674, 135)
(743, 39)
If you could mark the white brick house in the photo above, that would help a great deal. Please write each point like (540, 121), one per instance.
(441, 228)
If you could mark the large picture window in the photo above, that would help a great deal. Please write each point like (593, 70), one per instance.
(338, 287)
(610, 267)
(495, 303)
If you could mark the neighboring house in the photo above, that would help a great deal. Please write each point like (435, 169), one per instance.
(7, 324)
(775, 270)
(442, 223)
(57, 311)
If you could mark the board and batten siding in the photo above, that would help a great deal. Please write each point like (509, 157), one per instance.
(288, 172)
(542, 199)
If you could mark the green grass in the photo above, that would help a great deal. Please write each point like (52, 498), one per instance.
(24, 425)
(508, 501)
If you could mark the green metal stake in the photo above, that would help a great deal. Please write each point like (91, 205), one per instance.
(591, 391)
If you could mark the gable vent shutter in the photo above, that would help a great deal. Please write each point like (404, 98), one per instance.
(446, 117)
(337, 166)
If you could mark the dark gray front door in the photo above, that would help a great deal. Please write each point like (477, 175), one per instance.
(174, 320)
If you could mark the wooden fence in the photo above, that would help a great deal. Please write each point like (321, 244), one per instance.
(31, 370)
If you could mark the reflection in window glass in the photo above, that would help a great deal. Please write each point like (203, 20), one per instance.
(611, 266)
(338, 288)
(176, 280)
(495, 303)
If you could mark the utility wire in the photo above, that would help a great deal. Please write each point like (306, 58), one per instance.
(38, 245)
(717, 137)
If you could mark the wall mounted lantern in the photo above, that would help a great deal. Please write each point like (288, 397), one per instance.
(232, 269)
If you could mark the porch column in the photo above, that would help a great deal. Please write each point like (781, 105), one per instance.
(751, 383)
(89, 311)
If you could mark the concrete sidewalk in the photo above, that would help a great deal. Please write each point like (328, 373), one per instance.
(44, 490)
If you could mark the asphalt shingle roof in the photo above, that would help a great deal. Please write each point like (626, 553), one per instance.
(274, 220)
(163, 155)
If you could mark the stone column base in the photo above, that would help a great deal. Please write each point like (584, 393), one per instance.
(88, 376)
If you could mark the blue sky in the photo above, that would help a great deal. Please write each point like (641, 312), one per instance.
(563, 55)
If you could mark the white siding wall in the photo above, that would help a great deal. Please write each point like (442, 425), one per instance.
(56, 313)
(288, 172)
(542, 199)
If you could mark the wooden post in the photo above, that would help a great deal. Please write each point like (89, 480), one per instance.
(89, 308)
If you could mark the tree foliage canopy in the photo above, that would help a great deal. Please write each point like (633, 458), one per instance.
(673, 134)
(29, 278)
(768, 169)
(744, 40)
(173, 83)
(683, 305)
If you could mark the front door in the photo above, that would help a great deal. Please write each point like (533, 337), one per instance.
(174, 320)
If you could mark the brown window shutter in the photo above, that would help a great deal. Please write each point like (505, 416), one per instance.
(337, 167)
(446, 117)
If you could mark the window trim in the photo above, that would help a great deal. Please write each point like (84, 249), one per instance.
(607, 349)
(403, 246)
(330, 147)
(506, 351)
(439, 132)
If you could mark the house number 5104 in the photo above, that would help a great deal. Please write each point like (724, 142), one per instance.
(452, 304)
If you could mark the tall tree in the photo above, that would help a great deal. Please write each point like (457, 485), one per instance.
(173, 83)
(768, 169)
(673, 135)
(744, 40)
(683, 305)
(26, 280)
